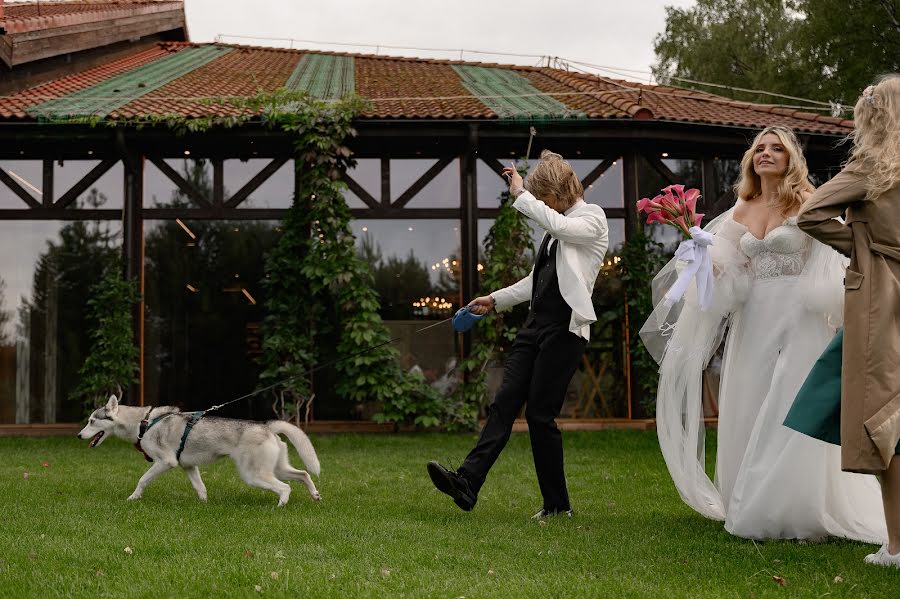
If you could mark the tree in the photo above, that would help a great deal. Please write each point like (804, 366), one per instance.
(113, 360)
(5, 315)
(825, 50)
(849, 43)
(398, 281)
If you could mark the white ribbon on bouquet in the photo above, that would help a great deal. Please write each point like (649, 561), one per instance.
(694, 252)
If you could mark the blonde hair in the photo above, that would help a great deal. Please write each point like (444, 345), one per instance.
(876, 139)
(795, 180)
(554, 176)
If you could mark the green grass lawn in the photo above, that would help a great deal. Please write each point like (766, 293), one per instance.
(382, 529)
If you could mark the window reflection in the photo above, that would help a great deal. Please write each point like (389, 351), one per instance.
(416, 268)
(47, 269)
(203, 311)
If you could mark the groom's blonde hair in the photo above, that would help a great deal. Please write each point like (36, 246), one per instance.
(554, 176)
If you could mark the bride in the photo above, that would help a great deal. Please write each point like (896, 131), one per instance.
(779, 293)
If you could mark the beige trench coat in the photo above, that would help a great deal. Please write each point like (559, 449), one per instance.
(870, 383)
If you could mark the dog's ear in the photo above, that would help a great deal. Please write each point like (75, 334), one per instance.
(112, 406)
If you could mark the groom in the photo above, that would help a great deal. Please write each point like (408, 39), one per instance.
(548, 348)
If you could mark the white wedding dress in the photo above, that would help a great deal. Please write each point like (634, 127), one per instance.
(771, 481)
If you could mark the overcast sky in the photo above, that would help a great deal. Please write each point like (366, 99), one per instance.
(602, 32)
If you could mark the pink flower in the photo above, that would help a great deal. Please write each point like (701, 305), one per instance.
(643, 205)
(698, 218)
(678, 190)
(656, 217)
(668, 201)
(690, 199)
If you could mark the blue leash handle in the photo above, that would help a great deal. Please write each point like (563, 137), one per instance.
(465, 319)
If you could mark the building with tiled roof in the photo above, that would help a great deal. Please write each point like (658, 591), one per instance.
(431, 142)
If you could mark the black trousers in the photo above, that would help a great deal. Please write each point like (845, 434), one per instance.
(537, 373)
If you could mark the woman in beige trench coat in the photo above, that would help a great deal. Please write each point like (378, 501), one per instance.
(867, 195)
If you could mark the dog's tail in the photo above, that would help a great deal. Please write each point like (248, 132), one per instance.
(299, 439)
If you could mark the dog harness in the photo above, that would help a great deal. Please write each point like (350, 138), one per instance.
(147, 424)
(194, 419)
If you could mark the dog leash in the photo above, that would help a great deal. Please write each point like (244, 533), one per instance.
(333, 362)
(463, 320)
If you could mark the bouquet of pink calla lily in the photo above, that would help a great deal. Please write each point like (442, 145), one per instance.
(677, 207)
(674, 206)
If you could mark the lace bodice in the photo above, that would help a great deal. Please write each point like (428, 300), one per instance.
(781, 253)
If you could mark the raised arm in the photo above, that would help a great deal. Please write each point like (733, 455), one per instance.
(587, 227)
(817, 216)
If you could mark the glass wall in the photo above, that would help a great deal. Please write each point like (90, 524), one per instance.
(416, 267)
(203, 310)
(47, 269)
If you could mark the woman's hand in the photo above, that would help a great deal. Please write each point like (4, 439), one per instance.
(515, 179)
(482, 305)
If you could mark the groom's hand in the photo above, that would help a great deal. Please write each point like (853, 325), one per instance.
(516, 184)
(481, 305)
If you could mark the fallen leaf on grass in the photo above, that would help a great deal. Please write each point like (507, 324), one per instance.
(248, 553)
(45, 464)
(491, 573)
(258, 589)
(385, 572)
(780, 580)
(129, 550)
(25, 475)
(99, 573)
(838, 579)
(279, 554)
(274, 575)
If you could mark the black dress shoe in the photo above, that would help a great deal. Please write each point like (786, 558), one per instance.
(453, 484)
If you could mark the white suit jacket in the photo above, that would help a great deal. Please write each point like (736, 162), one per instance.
(583, 236)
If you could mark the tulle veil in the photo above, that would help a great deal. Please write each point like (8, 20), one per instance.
(682, 338)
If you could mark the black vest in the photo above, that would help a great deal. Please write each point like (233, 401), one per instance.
(548, 308)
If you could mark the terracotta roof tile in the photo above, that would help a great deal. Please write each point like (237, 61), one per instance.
(412, 88)
(15, 106)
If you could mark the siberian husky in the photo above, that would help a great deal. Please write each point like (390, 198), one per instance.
(261, 457)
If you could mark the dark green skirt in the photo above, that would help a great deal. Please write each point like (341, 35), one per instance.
(817, 408)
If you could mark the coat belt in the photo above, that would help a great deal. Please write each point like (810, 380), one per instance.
(885, 250)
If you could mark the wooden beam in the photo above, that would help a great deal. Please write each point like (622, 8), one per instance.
(253, 184)
(660, 167)
(67, 214)
(364, 195)
(631, 189)
(597, 172)
(47, 187)
(422, 181)
(89, 179)
(218, 181)
(707, 167)
(385, 181)
(495, 165)
(192, 192)
(53, 41)
(17, 189)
